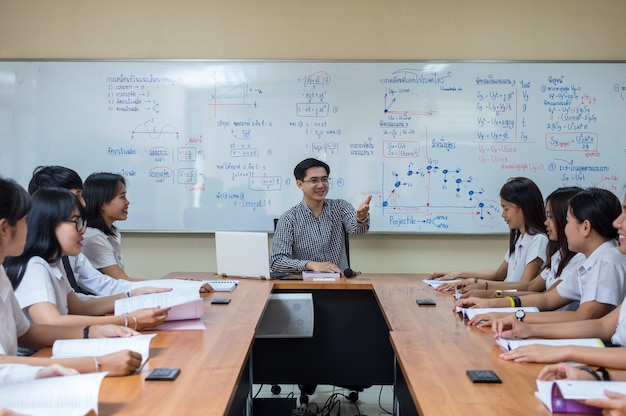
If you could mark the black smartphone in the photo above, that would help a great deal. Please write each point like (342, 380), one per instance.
(220, 301)
(163, 374)
(483, 376)
(425, 302)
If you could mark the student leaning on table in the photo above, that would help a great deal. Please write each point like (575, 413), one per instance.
(14, 326)
(524, 212)
(600, 283)
(88, 279)
(55, 228)
(611, 327)
(561, 262)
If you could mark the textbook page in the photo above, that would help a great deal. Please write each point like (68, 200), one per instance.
(90, 347)
(68, 395)
(437, 283)
(184, 305)
(511, 344)
(177, 285)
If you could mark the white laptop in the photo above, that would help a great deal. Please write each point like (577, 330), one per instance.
(242, 254)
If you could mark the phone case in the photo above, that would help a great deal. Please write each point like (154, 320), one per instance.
(163, 374)
(426, 302)
(483, 376)
(220, 301)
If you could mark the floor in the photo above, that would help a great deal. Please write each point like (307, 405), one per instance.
(332, 401)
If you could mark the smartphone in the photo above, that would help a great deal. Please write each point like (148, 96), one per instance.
(483, 376)
(220, 301)
(425, 302)
(163, 374)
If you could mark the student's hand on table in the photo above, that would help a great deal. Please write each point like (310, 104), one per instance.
(477, 293)
(111, 331)
(535, 353)
(443, 276)
(563, 371)
(206, 288)
(323, 266)
(447, 287)
(487, 319)
(472, 303)
(613, 405)
(363, 209)
(510, 327)
(55, 370)
(146, 290)
(8, 412)
(148, 317)
(121, 363)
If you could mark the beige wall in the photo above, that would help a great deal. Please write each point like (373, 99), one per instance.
(323, 29)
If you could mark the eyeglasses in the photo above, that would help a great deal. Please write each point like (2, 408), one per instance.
(315, 181)
(79, 222)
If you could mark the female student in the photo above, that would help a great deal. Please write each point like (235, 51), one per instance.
(105, 195)
(14, 326)
(523, 211)
(600, 283)
(561, 260)
(56, 228)
(611, 327)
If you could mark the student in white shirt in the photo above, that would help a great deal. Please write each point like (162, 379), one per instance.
(14, 327)
(561, 263)
(56, 228)
(600, 283)
(524, 213)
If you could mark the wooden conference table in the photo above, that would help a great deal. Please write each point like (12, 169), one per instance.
(433, 348)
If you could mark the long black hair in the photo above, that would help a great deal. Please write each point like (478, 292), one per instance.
(101, 188)
(598, 206)
(559, 204)
(14, 201)
(524, 193)
(51, 206)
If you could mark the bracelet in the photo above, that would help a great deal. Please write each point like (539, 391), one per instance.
(593, 373)
(135, 320)
(86, 332)
(517, 302)
(510, 298)
(96, 363)
(486, 285)
(475, 280)
(126, 320)
(605, 374)
(128, 294)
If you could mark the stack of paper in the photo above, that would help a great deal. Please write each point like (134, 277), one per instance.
(469, 313)
(311, 275)
(511, 344)
(184, 305)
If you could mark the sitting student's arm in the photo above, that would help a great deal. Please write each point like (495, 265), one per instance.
(531, 270)
(121, 363)
(116, 272)
(587, 310)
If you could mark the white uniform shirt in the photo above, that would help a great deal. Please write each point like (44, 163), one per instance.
(568, 272)
(13, 323)
(619, 337)
(90, 279)
(43, 282)
(14, 373)
(103, 250)
(600, 277)
(527, 248)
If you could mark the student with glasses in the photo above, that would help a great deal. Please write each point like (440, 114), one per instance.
(55, 229)
(311, 235)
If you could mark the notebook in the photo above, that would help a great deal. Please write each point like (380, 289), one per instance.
(243, 254)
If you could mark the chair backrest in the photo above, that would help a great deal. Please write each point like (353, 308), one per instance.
(345, 236)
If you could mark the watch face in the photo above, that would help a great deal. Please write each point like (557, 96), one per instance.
(520, 315)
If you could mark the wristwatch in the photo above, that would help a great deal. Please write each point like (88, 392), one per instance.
(520, 314)
(499, 294)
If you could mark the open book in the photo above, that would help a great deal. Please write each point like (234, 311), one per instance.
(511, 344)
(562, 396)
(68, 396)
(469, 313)
(437, 283)
(94, 347)
(184, 305)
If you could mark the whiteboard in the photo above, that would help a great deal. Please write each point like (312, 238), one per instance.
(211, 145)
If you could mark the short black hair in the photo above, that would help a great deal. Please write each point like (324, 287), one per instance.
(54, 176)
(300, 170)
(600, 207)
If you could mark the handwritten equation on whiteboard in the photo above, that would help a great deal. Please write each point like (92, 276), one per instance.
(209, 145)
